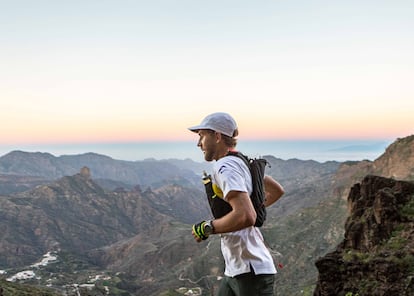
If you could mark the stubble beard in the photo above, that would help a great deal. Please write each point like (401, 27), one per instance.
(208, 156)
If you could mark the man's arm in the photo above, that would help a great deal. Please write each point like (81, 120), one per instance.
(273, 190)
(243, 214)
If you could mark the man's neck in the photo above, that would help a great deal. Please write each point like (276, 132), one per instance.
(225, 151)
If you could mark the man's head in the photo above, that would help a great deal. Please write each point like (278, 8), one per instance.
(217, 132)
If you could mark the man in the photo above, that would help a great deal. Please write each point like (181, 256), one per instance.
(249, 267)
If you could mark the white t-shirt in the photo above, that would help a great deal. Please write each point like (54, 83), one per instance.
(244, 248)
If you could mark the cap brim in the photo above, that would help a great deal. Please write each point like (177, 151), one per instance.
(196, 128)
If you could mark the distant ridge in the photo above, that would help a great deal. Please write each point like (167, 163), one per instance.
(143, 173)
(367, 147)
(319, 150)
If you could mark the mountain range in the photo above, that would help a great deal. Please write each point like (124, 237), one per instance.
(131, 220)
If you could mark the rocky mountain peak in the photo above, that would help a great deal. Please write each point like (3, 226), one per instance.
(397, 160)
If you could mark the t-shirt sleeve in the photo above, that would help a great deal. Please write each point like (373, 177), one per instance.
(230, 175)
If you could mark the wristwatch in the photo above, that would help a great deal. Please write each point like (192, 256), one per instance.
(208, 227)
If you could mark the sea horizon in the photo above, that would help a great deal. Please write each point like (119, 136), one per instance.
(317, 150)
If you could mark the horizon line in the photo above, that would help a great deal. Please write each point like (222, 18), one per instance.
(168, 140)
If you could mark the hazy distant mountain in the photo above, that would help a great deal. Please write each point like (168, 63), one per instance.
(144, 173)
(12, 183)
(366, 147)
(306, 183)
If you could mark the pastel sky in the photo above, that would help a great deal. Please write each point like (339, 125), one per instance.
(90, 71)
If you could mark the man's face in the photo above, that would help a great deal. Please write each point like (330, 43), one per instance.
(207, 143)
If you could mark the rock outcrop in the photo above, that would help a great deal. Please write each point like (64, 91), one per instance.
(376, 257)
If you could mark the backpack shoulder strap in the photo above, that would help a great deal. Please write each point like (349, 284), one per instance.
(240, 155)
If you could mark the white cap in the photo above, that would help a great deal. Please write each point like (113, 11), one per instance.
(219, 122)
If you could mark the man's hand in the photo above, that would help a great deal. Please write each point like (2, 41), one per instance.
(198, 231)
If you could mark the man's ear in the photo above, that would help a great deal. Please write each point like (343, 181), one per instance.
(218, 137)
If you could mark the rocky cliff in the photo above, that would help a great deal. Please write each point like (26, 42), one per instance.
(397, 161)
(376, 257)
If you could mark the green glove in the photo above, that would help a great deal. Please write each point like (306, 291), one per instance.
(198, 229)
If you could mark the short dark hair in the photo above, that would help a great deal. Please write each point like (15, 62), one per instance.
(230, 141)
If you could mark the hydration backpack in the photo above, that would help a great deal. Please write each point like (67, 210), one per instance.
(219, 207)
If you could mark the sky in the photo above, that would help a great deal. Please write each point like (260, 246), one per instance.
(123, 71)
